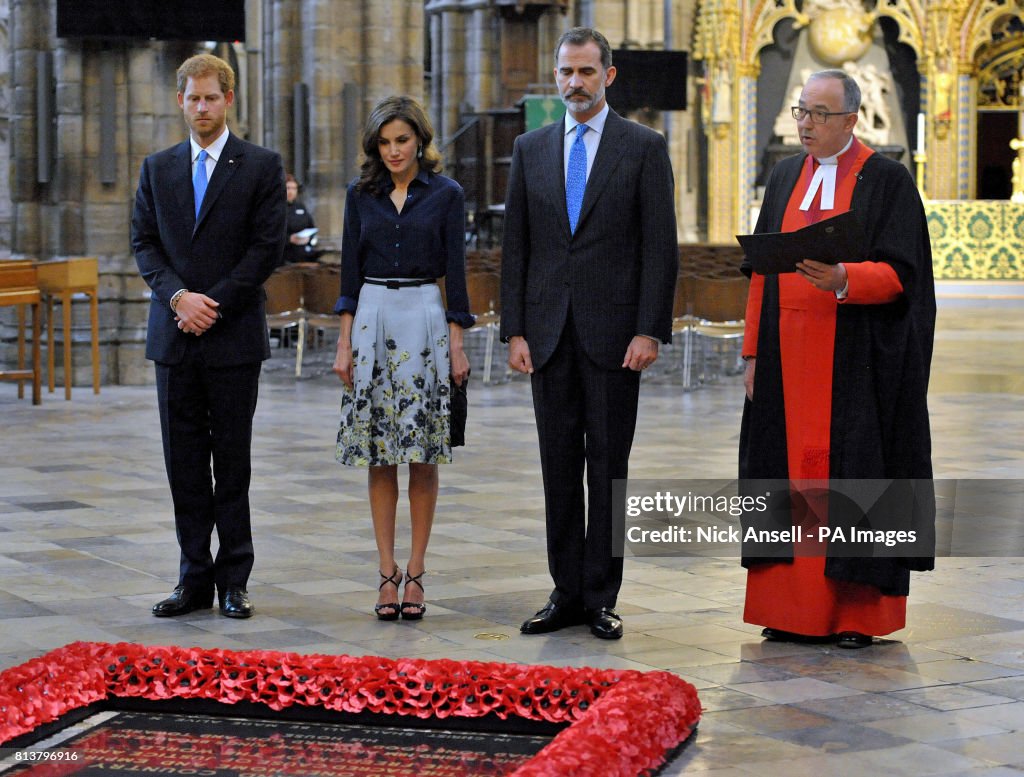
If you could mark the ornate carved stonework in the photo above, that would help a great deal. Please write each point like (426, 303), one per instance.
(970, 55)
(875, 124)
(840, 30)
(1001, 67)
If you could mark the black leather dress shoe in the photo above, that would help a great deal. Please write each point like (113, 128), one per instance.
(853, 640)
(235, 603)
(553, 617)
(605, 623)
(184, 600)
(778, 635)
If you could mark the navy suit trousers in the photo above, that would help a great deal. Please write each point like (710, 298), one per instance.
(206, 416)
(586, 417)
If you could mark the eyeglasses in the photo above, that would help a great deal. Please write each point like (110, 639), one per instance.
(818, 117)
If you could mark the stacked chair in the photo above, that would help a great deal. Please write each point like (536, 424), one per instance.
(710, 304)
(321, 286)
(285, 311)
(300, 302)
(483, 280)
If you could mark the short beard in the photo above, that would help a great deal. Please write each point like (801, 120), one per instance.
(577, 107)
(213, 132)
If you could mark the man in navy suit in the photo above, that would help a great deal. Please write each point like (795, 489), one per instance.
(208, 229)
(589, 265)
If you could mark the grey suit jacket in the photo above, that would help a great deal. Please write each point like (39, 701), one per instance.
(618, 271)
(227, 253)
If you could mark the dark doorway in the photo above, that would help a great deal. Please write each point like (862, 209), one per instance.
(995, 131)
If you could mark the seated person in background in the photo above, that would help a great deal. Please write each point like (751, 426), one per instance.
(299, 248)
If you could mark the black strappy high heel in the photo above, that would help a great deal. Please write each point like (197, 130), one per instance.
(389, 610)
(413, 611)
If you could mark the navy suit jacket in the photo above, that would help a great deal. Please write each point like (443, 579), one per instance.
(617, 271)
(227, 253)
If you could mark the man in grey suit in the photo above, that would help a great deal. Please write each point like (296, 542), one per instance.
(589, 264)
(208, 229)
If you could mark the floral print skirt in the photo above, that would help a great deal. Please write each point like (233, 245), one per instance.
(398, 410)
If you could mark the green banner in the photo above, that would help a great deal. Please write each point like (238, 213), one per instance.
(542, 110)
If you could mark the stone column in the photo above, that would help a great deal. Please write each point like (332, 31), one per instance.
(282, 62)
(717, 45)
(963, 133)
(610, 18)
(147, 119)
(633, 23)
(392, 49)
(153, 118)
(945, 103)
(481, 45)
(437, 80)
(27, 39)
(551, 27)
(254, 51)
(328, 43)
(942, 130)
(745, 111)
(640, 24)
(684, 134)
(453, 32)
(5, 81)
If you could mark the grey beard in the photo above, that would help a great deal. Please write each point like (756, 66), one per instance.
(577, 107)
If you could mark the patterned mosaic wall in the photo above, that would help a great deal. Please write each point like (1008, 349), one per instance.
(976, 239)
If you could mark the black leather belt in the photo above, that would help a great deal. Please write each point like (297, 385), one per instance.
(401, 284)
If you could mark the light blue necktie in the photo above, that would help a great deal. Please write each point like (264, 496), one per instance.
(576, 177)
(199, 181)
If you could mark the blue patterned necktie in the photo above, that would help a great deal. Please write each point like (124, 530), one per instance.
(199, 181)
(576, 177)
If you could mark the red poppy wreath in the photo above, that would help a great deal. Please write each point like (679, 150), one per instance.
(619, 722)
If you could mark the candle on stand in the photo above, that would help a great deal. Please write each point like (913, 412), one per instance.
(919, 155)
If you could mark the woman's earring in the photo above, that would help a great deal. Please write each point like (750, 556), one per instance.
(419, 152)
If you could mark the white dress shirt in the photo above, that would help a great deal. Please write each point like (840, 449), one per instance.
(591, 138)
(213, 151)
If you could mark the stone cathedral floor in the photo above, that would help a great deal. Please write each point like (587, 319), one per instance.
(87, 546)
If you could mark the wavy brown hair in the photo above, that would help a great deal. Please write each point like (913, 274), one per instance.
(373, 172)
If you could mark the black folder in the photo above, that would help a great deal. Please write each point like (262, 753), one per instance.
(837, 239)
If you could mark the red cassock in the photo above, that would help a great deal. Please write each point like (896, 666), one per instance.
(797, 597)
